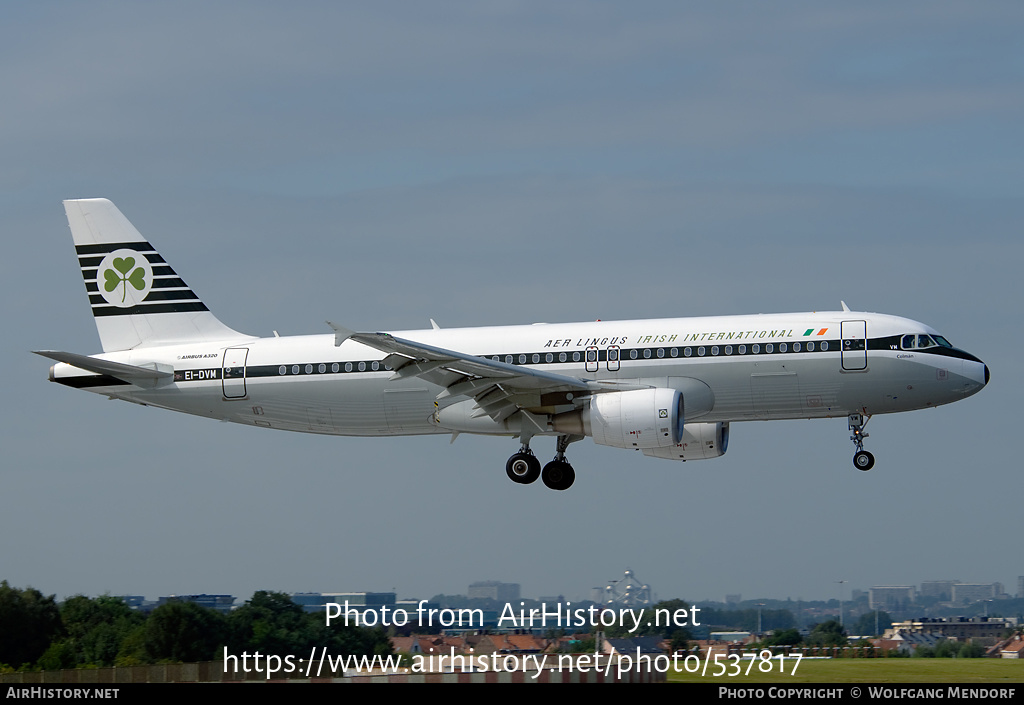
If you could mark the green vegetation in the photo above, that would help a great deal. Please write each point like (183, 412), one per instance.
(28, 623)
(875, 670)
(713, 619)
(92, 632)
(828, 633)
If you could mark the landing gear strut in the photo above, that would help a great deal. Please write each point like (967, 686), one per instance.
(558, 474)
(523, 467)
(862, 460)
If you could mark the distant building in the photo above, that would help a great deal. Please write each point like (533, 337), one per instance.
(494, 590)
(734, 599)
(552, 599)
(966, 593)
(907, 642)
(1020, 586)
(959, 628)
(364, 608)
(317, 601)
(633, 645)
(890, 597)
(221, 603)
(939, 589)
(1013, 649)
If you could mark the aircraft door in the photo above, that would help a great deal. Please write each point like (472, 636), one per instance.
(233, 372)
(613, 358)
(855, 344)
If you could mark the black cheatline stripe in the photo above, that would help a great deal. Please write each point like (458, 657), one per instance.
(160, 270)
(893, 344)
(94, 261)
(105, 248)
(90, 261)
(834, 346)
(171, 295)
(149, 309)
(171, 283)
(947, 352)
(94, 381)
(92, 286)
(275, 370)
(174, 295)
(885, 343)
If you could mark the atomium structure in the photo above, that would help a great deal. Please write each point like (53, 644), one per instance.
(628, 592)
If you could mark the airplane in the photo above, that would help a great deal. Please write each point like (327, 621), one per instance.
(667, 387)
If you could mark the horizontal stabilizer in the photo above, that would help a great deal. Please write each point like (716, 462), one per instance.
(139, 376)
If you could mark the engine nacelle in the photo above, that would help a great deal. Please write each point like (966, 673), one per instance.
(700, 442)
(643, 418)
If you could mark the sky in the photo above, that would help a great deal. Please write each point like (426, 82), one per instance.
(382, 164)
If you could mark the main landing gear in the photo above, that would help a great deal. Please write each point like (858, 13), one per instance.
(524, 468)
(862, 460)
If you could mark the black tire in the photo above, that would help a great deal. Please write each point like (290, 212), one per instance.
(558, 475)
(863, 460)
(523, 468)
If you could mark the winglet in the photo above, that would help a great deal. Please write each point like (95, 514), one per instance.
(845, 307)
(341, 334)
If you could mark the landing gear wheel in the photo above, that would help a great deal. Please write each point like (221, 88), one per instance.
(523, 468)
(863, 460)
(558, 475)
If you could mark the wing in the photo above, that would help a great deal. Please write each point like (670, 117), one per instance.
(500, 389)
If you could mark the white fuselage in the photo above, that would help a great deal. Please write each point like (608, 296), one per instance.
(771, 366)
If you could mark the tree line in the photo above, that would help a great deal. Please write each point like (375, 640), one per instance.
(89, 632)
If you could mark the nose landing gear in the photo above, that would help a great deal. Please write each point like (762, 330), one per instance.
(862, 459)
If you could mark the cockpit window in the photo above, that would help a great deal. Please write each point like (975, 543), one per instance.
(919, 342)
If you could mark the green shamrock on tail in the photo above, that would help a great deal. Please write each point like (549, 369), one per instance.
(123, 266)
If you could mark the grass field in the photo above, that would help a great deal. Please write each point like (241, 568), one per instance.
(882, 670)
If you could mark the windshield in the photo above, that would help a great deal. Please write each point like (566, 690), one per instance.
(919, 342)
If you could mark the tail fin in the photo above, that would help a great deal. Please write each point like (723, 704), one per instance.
(137, 299)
